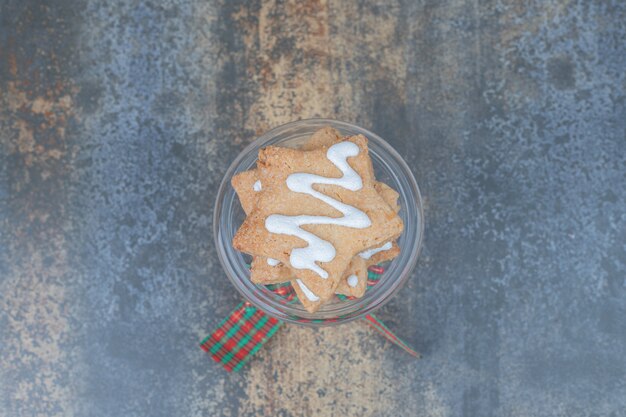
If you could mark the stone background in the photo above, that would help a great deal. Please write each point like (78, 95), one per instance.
(119, 118)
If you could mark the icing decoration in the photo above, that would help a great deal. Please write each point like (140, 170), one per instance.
(272, 261)
(307, 292)
(257, 186)
(353, 280)
(366, 254)
(320, 250)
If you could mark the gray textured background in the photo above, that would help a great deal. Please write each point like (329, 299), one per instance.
(118, 119)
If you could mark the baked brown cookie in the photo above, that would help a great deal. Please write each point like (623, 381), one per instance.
(338, 210)
(354, 283)
(268, 271)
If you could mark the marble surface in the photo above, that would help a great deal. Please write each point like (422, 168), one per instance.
(119, 118)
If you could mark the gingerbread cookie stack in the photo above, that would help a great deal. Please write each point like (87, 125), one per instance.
(317, 217)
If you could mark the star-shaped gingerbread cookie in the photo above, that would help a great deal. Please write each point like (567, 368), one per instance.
(268, 271)
(318, 209)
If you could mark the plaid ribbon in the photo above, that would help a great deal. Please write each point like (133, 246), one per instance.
(240, 335)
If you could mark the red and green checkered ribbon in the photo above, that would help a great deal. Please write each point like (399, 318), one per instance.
(240, 335)
(380, 327)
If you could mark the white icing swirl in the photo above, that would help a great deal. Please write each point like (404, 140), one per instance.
(320, 250)
(272, 261)
(353, 280)
(307, 292)
(366, 254)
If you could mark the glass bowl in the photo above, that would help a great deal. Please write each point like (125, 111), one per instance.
(389, 168)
